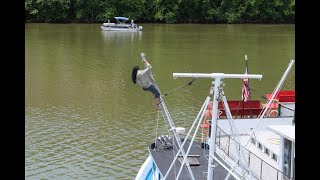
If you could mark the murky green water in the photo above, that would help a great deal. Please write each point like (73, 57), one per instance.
(85, 119)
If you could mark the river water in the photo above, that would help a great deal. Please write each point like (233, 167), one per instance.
(85, 119)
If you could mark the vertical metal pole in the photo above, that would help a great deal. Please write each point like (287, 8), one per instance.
(213, 127)
(261, 169)
(228, 144)
(249, 89)
(219, 137)
(249, 160)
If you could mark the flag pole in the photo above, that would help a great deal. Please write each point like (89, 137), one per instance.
(249, 88)
(243, 97)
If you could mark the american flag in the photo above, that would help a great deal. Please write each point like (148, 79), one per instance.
(245, 87)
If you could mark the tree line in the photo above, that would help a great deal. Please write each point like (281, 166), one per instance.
(161, 11)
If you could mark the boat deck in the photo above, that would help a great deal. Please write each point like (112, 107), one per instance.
(164, 157)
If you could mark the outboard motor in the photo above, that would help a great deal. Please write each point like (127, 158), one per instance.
(140, 28)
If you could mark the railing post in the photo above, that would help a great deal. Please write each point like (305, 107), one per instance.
(219, 137)
(228, 145)
(261, 169)
(249, 159)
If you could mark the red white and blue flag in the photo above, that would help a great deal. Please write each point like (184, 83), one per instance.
(245, 88)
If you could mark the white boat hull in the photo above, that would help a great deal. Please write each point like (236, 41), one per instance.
(129, 29)
(146, 171)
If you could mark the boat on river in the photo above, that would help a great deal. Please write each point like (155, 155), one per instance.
(121, 25)
(230, 147)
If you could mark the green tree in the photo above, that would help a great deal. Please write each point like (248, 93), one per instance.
(166, 10)
(163, 11)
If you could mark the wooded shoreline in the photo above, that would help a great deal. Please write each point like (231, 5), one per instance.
(161, 11)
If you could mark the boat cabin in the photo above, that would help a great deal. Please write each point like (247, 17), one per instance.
(287, 148)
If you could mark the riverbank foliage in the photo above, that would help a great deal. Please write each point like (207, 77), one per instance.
(161, 11)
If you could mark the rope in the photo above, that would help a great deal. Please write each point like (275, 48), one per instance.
(154, 82)
(175, 89)
(273, 111)
(237, 109)
(155, 141)
(188, 84)
(174, 145)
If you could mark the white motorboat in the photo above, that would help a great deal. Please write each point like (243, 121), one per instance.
(121, 25)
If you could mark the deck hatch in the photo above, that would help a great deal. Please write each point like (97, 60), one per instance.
(192, 161)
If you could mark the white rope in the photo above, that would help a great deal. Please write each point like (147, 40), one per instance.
(273, 111)
(155, 141)
(174, 145)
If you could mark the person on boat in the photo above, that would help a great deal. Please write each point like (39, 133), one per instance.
(145, 79)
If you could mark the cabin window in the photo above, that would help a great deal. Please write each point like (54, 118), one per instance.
(267, 151)
(259, 145)
(274, 157)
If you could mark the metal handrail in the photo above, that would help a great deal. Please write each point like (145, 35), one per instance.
(250, 155)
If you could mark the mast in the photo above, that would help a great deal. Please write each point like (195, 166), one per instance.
(168, 118)
(217, 79)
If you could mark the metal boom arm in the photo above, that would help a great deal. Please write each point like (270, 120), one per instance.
(217, 78)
